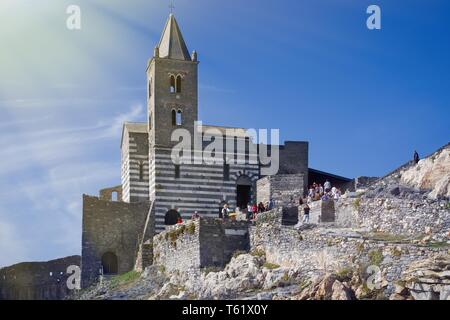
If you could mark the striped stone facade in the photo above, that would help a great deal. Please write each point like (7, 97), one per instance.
(134, 153)
(200, 187)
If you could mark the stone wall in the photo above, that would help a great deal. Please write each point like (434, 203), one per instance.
(201, 243)
(404, 216)
(36, 280)
(178, 248)
(107, 193)
(114, 227)
(294, 159)
(284, 189)
(316, 250)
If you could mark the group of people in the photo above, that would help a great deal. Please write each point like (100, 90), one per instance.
(251, 211)
(318, 192)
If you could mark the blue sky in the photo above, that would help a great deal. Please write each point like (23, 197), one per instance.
(363, 99)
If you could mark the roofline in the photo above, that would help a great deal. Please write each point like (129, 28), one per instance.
(123, 129)
(329, 174)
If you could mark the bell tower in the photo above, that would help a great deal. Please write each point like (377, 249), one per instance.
(172, 87)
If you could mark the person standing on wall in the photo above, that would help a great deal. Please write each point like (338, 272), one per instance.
(271, 204)
(306, 213)
(416, 157)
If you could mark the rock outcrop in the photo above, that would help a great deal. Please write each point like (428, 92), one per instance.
(431, 173)
(389, 241)
(425, 280)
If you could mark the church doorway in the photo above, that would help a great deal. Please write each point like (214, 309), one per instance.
(171, 217)
(243, 192)
(110, 263)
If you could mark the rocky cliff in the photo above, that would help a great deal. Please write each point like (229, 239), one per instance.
(389, 241)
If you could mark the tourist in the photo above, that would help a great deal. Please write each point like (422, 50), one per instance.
(337, 194)
(305, 213)
(317, 194)
(254, 209)
(225, 212)
(316, 188)
(270, 205)
(179, 220)
(320, 189)
(311, 192)
(416, 157)
(195, 216)
(261, 207)
(327, 186)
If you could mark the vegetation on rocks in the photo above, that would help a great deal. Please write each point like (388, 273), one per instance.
(270, 266)
(124, 279)
(376, 256)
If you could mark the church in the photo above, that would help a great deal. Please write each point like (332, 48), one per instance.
(157, 187)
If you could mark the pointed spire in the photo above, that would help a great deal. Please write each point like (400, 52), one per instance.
(172, 44)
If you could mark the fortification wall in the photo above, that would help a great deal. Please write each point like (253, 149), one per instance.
(36, 280)
(114, 227)
(178, 248)
(282, 188)
(107, 193)
(201, 243)
(424, 217)
(334, 249)
(294, 158)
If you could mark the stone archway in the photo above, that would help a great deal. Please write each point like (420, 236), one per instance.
(243, 191)
(110, 263)
(171, 217)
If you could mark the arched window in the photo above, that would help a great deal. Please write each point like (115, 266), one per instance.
(174, 117)
(178, 84)
(172, 84)
(178, 118)
(150, 121)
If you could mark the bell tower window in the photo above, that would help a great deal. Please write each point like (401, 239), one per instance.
(177, 119)
(178, 84)
(174, 118)
(172, 84)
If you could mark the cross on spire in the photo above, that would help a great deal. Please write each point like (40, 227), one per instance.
(171, 6)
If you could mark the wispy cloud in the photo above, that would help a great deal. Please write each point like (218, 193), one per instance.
(115, 126)
(46, 166)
